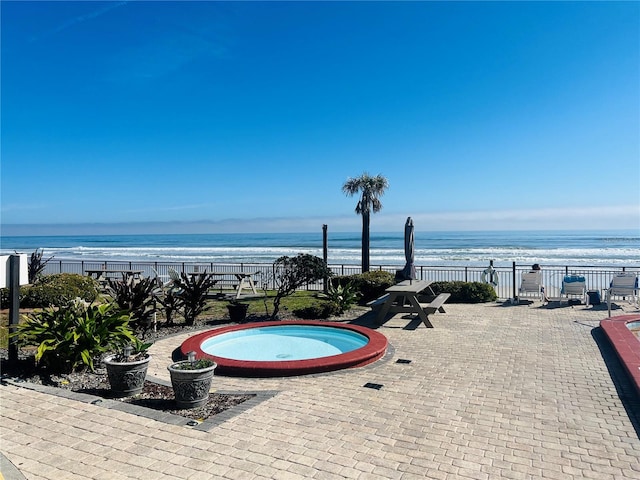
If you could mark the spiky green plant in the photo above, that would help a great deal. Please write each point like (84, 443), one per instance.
(137, 296)
(171, 301)
(37, 265)
(193, 291)
(343, 297)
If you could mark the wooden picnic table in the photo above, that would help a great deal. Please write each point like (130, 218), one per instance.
(245, 279)
(103, 274)
(404, 298)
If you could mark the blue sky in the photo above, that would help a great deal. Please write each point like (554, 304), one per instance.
(232, 117)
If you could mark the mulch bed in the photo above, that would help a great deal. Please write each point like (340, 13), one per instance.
(153, 395)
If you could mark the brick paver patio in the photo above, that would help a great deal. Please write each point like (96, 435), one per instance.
(493, 391)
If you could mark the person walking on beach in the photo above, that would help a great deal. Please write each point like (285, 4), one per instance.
(534, 269)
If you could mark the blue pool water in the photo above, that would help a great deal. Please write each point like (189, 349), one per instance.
(283, 343)
(635, 328)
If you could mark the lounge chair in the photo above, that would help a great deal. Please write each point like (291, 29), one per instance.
(623, 285)
(574, 286)
(175, 276)
(163, 280)
(531, 285)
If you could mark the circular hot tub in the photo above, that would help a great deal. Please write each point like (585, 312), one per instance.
(624, 334)
(285, 348)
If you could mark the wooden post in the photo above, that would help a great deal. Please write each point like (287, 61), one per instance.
(325, 256)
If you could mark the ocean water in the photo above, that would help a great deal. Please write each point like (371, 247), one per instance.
(579, 248)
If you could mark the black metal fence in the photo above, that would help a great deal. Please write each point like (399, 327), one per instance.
(507, 279)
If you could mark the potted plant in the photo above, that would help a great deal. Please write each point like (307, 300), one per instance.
(237, 311)
(127, 369)
(191, 380)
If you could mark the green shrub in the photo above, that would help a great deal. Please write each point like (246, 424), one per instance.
(466, 292)
(315, 312)
(291, 273)
(4, 298)
(57, 289)
(370, 285)
(70, 337)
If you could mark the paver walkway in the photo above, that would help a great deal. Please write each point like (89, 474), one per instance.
(493, 391)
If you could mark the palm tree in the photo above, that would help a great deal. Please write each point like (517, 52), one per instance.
(372, 188)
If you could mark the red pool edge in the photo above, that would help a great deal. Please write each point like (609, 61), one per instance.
(372, 351)
(625, 343)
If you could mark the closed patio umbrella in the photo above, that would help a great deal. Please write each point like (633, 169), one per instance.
(409, 270)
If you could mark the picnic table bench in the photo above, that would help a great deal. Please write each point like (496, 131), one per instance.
(436, 305)
(378, 302)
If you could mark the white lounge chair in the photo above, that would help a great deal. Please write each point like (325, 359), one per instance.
(163, 280)
(623, 285)
(574, 286)
(531, 285)
(174, 275)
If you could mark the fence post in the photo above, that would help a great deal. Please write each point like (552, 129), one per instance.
(273, 277)
(514, 281)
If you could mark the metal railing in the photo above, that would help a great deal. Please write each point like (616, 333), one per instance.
(508, 278)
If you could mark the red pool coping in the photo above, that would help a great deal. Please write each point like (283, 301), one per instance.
(625, 343)
(372, 351)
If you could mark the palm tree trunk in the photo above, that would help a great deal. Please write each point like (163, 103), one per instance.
(365, 241)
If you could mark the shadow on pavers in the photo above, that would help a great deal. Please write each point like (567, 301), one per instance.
(403, 322)
(8, 470)
(624, 387)
(556, 304)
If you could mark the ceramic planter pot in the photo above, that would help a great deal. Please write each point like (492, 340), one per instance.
(237, 311)
(126, 378)
(190, 386)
